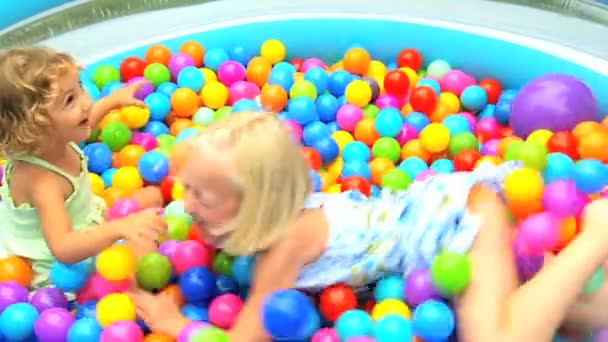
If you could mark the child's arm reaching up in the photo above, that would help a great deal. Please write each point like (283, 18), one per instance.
(121, 97)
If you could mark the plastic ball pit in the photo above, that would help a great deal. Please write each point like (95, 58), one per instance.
(406, 146)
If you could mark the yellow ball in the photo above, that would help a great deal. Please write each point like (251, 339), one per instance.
(334, 189)
(342, 138)
(127, 179)
(540, 136)
(489, 159)
(209, 75)
(523, 186)
(435, 137)
(214, 95)
(335, 168)
(113, 308)
(376, 69)
(273, 50)
(450, 101)
(411, 75)
(97, 184)
(390, 306)
(135, 117)
(358, 93)
(116, 263)
(177, 192)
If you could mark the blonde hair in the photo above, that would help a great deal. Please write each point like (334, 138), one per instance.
(28, 88)
(270, 174)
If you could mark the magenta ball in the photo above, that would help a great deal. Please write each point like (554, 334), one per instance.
(310, 63)
(224, 310)
(386, 100)
(122, 331)
(360, 339)
(348, 116)
(455, 81)
(242, 90)
(53, 325)
(540, 233)
(146, 89)
(490, 148)
(123, 207)
(103, 287)
(230, 72)
(527, 265)
(145, 140)
(325, 335)
(11, 293)
(168, 247)
(470, 119)
(189, 254)
(190, 330)
(407, 133)
(556, 102)
(295, 130)
(47, 298)
(601, 336)
(179, 61)
(561, 198)
(488, 126)
(424, 175)
(419, 287)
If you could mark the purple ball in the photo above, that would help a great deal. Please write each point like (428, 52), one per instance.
(470, 119)
(555, 102)
(53, 325)
(179, 61)
(146, 89)
(601, 336)
(527, 265)
(190, 330)
(373, 84)
(490, 148)
(561, 198)
(48, 298)
(168, 247)
(12, 293)
(419, 287)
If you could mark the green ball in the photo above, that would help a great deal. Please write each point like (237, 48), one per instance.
(451, 272)
(177, 209)
(153, 271)
(203, 116)
(222, 112)
(157, 74)
(222, 263)
(177, 228)
(422, 74)
(532, 155)
(438, 68)
(94, 135)
(463, 141)
(596, 282)
(371, 111)
(387, 147)
(209, 335)
(105, 74)
(303, 88)
(116, 135)
(164, 150)
(396, 179)
(165, 141)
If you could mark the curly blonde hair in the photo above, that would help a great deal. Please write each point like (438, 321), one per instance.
(28, 88)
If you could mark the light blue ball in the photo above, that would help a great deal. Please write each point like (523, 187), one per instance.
(327, 107)
(474, 98)
(282, 78)
(356, 168)
(84, 330)
(187, 134)
(413, 166)
(17, 321)
(302, 110)
(355, 150)
(456, 124)
(214, 58)
(107, 175)
(388, 122)
(245, 105)
(328, 149)
(191, 77)
(393, 328)
(317, 183)
(167, 88)
(431, 83)
(156, 128)
(389, 287)
(338, 80)
(153, 166)
(354, 323)
(318, 77)
(433, 321)
(314, 131)
(195, 313)
(559, 166)
(443, 166)
(417, 120)
(159, 106)
(486, 112)
(590, 176)
(70, 278)
(242, 270)
(92, 90)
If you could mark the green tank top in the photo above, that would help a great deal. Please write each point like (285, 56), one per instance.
(20, 231)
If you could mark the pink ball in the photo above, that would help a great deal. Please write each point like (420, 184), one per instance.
(488, 127)
(189, 254)
(360, 339)
(86, 292)
(455, 81)
(325, 335)
(179, 61)
(386, 100)
(470, 119)
(408, 132)
(348, 116)
(230, 72)
(224, 310)
(242, 90)
(424, 175)
(123, 207)
(295, 130)
(103, 287)
(490, 148)
(540, 233)
(122, 331)
(145, 140)
(310, 63)
(582, 201)
(561, 198)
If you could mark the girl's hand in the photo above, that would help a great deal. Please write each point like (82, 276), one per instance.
(160, 312)
(145, 225)
(126, 96)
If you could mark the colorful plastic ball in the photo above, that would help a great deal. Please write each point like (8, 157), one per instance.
(463, 141)
(197, 284)
(590, 176)
(303, 88)
(532, 155)
(559, 166)
(115, 307)
(456, 124)
(116, 135)
(153, 271)
(156, 128)
(354, 323)
(348, 116)
(153, 167)
(389, 287)
(393, 328)
(435, 137)
(396, 179)
(450, 272)
(443, 166)
(116, 263)
(356, 167)
(85, 329)
(302, 110)
(407, 133)
(417, 120)
(157, 74)
(413, 166)
(596, 282)
(390, 306)
(47, 298)
(474, 98)
(122, 331)
(540, 232)
(325, 335)
(53, 325)
(389, 122)
(195, 313)
(224, 310)
(327, 107)
(189, 254)
(17, 321)
(273, 50)
(104, 74)
(523, 186)
(327, 148)
(242, 270)
(102, 287)
(69, 277)
(92, 90)
(465, 160)
(338, 81)
(318, 77)
(560, 198)
(314, 131)
(99, 157)
(123, 207)
(11, 293)
(358, 93)
(356, 150)
(419, 287)
(179, 62)
(356, 60)
(335, 300)
(289, 315)
(396, 83)
(433, 321)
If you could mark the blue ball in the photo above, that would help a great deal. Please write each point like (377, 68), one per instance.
(191, 77)
(84, 330)
(433, 321)
(354, 323)
(356, 167)
(487, 112)
(195, 313)
(317, 183)
(590, 176)
(314, 131)
(431, 83)
(187, 134)
(342, 101)
(17, 321)
(388, 122)
(225, 284)
(70, 278)
(92, 90)
(356, 151)
(156, 128)
(87, 309)
(318, 77)
(107, 175)
(282, 78)
(289, 315)
(245, 105)
(327, 107)
(215, 57)
(417, 120)
(99, 157)
(241, 54)
(333, 127)
(502, 111)
(302, 110)
(338, 80)
(456, 124)
(443, 166)
(166, 88)
(328, 149)
(197, 284)
(153, 166)
(375, 191)
(391, 66)
(393, 327)
(474, 98)
(159, 106)
(284, 67)
(390, 286)
(242, 270)
(559, 166)
(111, 87)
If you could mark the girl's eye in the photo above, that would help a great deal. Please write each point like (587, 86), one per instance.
(69, 99)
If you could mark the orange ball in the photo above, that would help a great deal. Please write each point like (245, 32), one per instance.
(185, 102)
(594, 145)
(112, 116)
(111, 195)
(155, 337)
(178, 125)
(174, 292)
(194, 50)
(158, 54)
(365, 131)
(115, 162)
(504, 144)
(379, 167)
(356, 61)
(567, 232)
(414, 148)
(440, 112)
(586, 127)
(170, 119)
(258, 70)
(129, 155)
(14, 268)
(273, 98)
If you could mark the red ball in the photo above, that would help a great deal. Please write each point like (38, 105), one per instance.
(493, 89)
(563, 142)
(423, 99)
(195, 235)
(166, 187)
(368, 306)
(297, 63)
(335, 300)
(396, 83)
(357, 183)
(132, 67)
(465, 160)
(505, 131)
(312, 157)
(410, 58)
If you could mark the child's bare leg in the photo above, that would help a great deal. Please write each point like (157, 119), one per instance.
(149, 197)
